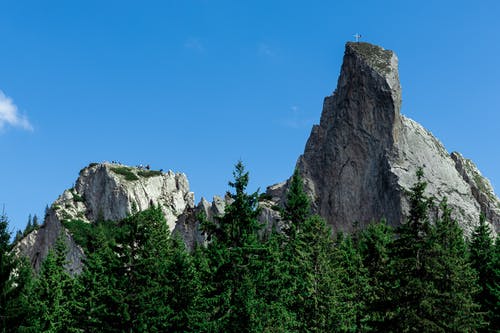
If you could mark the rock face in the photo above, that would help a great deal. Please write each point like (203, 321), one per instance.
(108, 192)
(362, 157)
(111, 191)
(480, 187)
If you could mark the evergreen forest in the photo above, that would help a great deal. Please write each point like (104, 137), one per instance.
(423, 276)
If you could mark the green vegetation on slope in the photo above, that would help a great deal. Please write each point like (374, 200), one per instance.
(127, 172)
(149, 173)
(140, 278)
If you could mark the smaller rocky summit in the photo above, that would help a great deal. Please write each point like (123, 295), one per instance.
(111, 191)
(108, 191)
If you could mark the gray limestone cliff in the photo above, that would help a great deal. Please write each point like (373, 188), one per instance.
(361, 159)
(105, 192)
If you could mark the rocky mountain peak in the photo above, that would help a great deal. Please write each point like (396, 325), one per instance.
(110, 191)
(359, 124)
(107, 192)
(384, 62)
(361, 159)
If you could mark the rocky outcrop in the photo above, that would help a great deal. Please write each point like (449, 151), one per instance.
(37, 244)
(481, 189)
(361, 159)
(111, 191)
(107, 191)
(188, 224)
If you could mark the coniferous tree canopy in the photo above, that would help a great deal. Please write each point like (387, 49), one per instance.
(141, 278)
(7, 266)
(15, 283)
(485, 261)
(433, 285)
(455, 280)
(299, 277)
(235, 256)
(374, 244)
(53, 299)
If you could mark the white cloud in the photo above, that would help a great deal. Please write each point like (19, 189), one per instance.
(194, 44)
(9, 115)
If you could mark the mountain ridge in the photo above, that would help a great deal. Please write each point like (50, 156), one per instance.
(357, 165)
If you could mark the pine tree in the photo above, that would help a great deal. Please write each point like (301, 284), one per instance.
(494, 289)
(183, 287)
(15, 283)
(29, 226)
(7, 266)
(482, 258)
(19, 236)
(433, 285)
(454, 278)
(139, 279)
(20, 300)
(374, 243)
(234, 255)
(310, 280)
(354, 285)
(36, 225)
(276, 314)
(102, 298)
(297, 205)
(413, 292)
(53, 300)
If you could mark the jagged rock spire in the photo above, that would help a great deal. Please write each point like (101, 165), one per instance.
(362, 157)
(345, 155)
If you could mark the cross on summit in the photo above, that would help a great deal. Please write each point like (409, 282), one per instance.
(357, 37)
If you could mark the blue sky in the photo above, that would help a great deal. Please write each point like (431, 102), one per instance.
(195, 85)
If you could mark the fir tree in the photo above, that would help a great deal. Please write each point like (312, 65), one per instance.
(494, 289)
(18, 237)
(102, 298)
(7, 266)
(374, 243)
(482, 258)
(53, 300)
(29, 226)
(20, 300)
(36, 225)
(413, 293)
(433, 285)
(140, 279)
(454, 278)
(297, 206)
(354, 285)
(234, 254)
(310, 279)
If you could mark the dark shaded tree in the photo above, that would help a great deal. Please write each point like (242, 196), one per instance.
(374, 244)
(483, 258)
(138, 279)
(53, 299)
(453, 277)
(235, 256)
(311, 286)
(7, 266)
(432, 283)
(15, 283)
